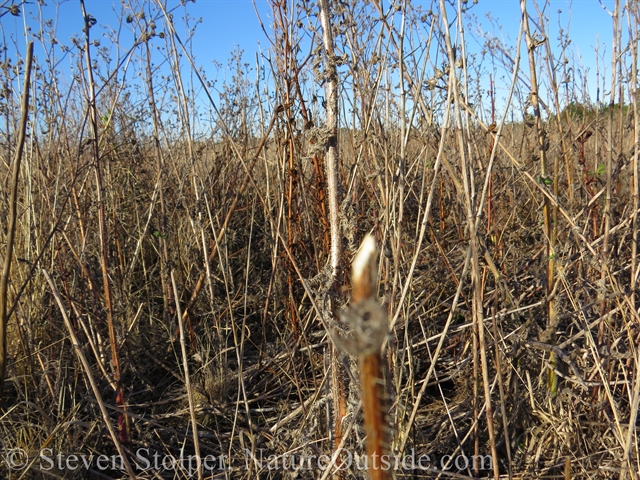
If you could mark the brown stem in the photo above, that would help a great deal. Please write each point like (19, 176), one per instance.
(102, 228)
(13, 208)
(550, 211)
(364, 279)
(373, 409)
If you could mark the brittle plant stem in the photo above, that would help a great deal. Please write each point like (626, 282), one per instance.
(92, 381)
(13, 206)
(102, 227)
(371, 378)
(477, 304)
(550, 225)
(187, 378)
(338, 385)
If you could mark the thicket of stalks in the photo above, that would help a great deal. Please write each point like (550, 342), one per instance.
(171, 264)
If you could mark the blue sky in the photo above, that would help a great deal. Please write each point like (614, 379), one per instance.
(587, 22)
(224, 25)
(227, 24)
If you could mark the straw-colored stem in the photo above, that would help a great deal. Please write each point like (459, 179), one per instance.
(11, 227)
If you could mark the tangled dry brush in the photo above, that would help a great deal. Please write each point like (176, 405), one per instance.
(174, 242)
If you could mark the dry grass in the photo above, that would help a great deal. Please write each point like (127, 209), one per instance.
(193, 261)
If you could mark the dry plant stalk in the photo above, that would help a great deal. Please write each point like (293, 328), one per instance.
(187, 379)
(331, 156)
(95, 388)
(11, 228)
(549, 210)
(368, 327)
(103, 233)
(338, 384)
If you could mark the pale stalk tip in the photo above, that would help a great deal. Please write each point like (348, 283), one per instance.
(365, 257)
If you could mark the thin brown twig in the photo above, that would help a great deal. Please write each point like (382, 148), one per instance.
(75, 342)
(13, 205)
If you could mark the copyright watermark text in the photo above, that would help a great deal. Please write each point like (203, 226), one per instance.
(146, 460)
(47, 460)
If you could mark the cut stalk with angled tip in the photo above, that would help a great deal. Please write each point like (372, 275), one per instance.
(369, 323)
